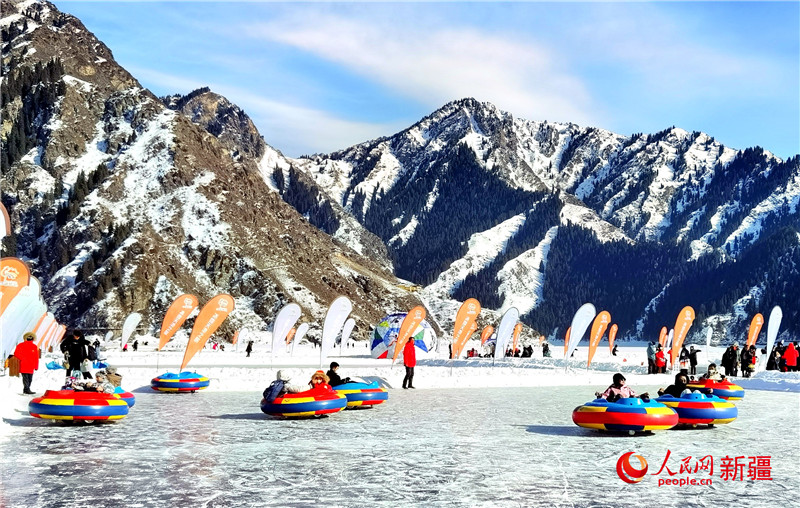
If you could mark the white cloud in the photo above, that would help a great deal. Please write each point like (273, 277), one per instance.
(434, 66)
(681, 55)
(292, 129)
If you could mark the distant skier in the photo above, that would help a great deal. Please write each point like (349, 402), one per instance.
(249, 348)
(135, 345)
(614, 351)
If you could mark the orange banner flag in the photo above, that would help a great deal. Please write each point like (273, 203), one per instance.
(517, 331)
(487, 332)
(407, 328)
(612, 334)
(37, 329)
(566, 341)
(601, 322)
(755, 329)
(176, 315)
(465, 325)
(235, 338)
(207, 322)
(14, 275)
(662, 337)
(682, 325)
(62, 329)
(290, 335)
(48, 335)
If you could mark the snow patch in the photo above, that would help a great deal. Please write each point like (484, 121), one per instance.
(484, 247)
(522, 282)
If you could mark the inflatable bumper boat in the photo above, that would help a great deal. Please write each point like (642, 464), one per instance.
(183, 382)
(363, 394)
(625, 415)
(700, 409)
(314, 402)
(78, 405)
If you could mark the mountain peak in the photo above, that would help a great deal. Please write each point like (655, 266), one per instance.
(221, 118)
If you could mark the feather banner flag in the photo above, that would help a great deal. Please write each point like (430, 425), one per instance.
(44, 329)
(290, 336)
(580, 322)
(21, 316)
(682, 325)
(49, 335)
(235, 338)
(566, 340)
(487, 332)
(504, 331)
(409, 325)
(755, 329)
(334, 321)
(14, 275)
(612, 335)
(517, 331)
(210, 318)
(40, 326)
(62, 329)
(176, 315)
(284, 321)
(466, 317)
(773, 325)
(598, 330)
(662, 336)
(299, 334)
(5, 222)
(347, 330)
(129, 326)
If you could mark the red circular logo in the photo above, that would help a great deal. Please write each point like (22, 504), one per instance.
(627, 472)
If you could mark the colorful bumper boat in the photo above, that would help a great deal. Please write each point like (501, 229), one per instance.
(363, 394)
(314, 402)
(625, 415)
(183, 382)
(699, 409)
(128, 397)
(724, 389)
(76, 405)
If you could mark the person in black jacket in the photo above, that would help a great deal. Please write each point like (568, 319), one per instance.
(336, 380)
(727, 360)
(75, 349)
(693, 360)
(676, 389)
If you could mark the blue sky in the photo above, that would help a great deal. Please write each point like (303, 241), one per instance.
(319, 76)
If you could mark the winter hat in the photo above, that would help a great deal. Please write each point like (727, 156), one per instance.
(284, 376)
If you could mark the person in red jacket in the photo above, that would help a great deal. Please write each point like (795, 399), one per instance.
(661, 360)
(28, 354)
(410, 361)
(790, 355)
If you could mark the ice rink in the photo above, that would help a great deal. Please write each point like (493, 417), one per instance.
(503, 447)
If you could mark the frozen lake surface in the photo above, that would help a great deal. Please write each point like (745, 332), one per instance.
(450, 448)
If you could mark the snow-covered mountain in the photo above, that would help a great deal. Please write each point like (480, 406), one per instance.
(121, 200)
(474, 202)
(120, 203)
